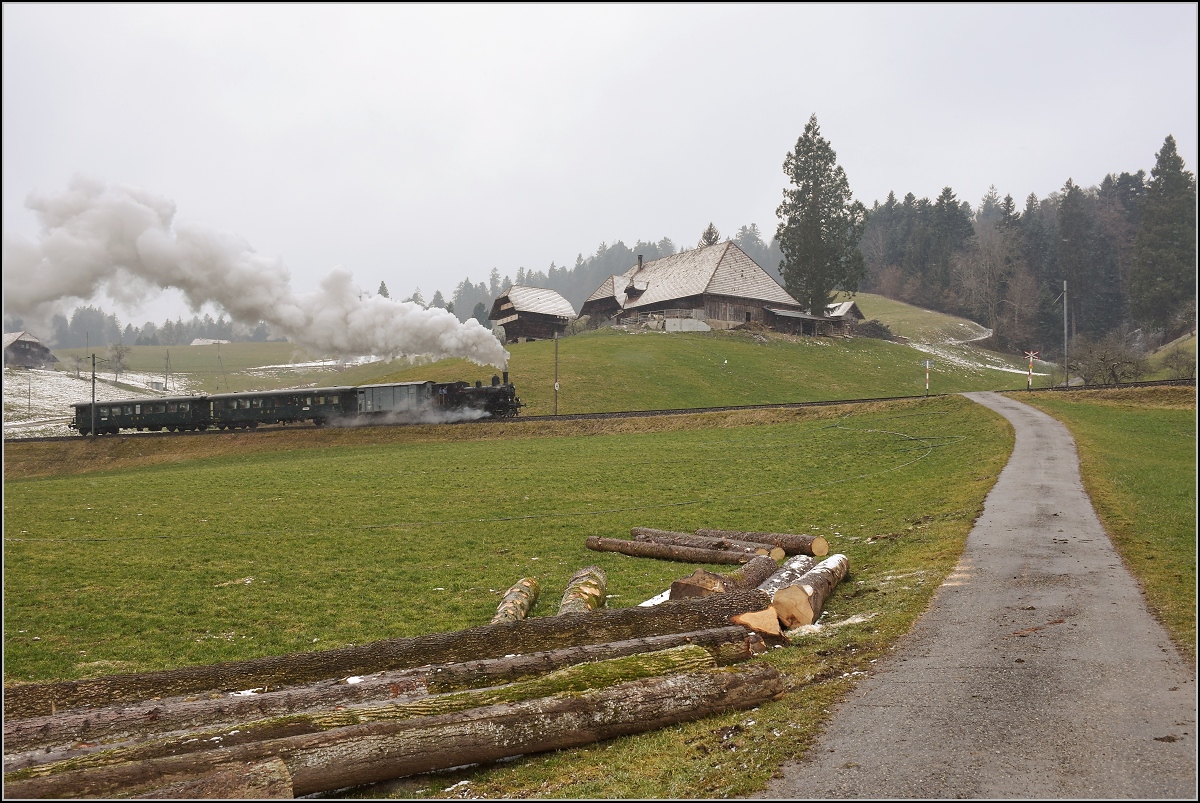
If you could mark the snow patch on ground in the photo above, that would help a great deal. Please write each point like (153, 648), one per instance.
(37, 402)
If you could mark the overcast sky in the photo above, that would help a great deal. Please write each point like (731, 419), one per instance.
(421, 144)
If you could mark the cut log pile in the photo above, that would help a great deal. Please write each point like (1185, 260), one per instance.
(314, 722)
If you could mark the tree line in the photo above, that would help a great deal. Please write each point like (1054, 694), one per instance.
(1125, 248)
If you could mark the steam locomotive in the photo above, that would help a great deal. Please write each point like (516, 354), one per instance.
(347, 405)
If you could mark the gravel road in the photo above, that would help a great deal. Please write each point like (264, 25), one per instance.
(1038, 671)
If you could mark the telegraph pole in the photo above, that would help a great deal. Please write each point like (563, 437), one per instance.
(93, 430)
(1066, 370)
(556, 372)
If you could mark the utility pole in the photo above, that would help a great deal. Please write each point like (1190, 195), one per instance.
(93, 430)
(1066, 370)
(556, 372)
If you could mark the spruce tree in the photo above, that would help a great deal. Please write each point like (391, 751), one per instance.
(1163, 274)
(820, 224)
(710, 236)
(383, 291)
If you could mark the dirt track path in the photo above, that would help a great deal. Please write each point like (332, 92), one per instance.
(1037, 672)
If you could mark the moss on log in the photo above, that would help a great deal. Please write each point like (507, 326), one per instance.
(486, 641)
(379, 751)
(51, 734)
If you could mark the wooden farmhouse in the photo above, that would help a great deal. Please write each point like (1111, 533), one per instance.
(531, 313)
(718, 286)
(23, 350)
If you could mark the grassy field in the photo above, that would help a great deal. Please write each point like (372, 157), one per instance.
(914, 323)
(1137, 450)
(136, 554)
(616, 370)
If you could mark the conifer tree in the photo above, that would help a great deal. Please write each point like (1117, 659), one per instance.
(820, 224)
(710, 236)
(383, 291)
(1163, 274)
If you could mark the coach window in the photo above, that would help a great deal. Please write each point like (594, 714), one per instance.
(172, 407)
(104, 412)
(184, 407)
(244, 404)
(256, 402)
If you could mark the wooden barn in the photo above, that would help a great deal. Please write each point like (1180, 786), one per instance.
(23, 350)
(718, 285)
(531, 313)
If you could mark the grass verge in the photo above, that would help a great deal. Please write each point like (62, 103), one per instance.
(1137, 455)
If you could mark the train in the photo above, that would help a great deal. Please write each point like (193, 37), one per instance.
(344, 405)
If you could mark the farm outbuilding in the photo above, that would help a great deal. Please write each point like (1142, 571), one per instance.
(719, 285)
(23, 350)
(531, 313)
(846, 312)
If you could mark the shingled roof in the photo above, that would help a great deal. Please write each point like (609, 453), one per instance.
(539, 300)
(721, 269)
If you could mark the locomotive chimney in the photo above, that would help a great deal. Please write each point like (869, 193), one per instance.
(506, 377)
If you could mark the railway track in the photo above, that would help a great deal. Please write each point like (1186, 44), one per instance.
(618, 414)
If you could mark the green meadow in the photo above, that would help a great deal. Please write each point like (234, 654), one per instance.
(147, 556)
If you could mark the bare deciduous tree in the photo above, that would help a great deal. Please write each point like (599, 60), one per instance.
(118, 356)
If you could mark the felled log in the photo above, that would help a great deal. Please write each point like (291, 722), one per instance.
(517, 601)
(577, 678)
(585, 591)
(486, 641)
(253, 780)
(802, 602)
(790, 572)
(727, 645)
(765, 621)
(379, 751)
(814, 545)
(686, 554)
(702, 582)
(652, 536)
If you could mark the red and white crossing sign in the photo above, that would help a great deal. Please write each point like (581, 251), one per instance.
(1032, 355)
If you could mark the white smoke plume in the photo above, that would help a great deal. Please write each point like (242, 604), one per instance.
(127, 243)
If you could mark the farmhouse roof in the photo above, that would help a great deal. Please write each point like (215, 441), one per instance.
(721, 269)
(13, 337)
(539, 300)
(844, 308)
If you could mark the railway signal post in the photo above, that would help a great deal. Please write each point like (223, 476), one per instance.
(928, 364)
(1032, 355)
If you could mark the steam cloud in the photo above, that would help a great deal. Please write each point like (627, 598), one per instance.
(126, 242)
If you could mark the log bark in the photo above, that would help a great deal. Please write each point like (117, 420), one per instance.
(518, 600)
(814, 545)
(652, 536)
(727, 645)
(790, 572)
(702, 582)
(379, 751)
(572, 679)
(802, 602)
(259, 780)
(486, 641)
(586, 591)
(685, 554)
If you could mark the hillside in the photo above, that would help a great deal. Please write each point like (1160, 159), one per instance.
(604, 370)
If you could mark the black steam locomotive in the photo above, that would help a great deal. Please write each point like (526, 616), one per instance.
(401, 402)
